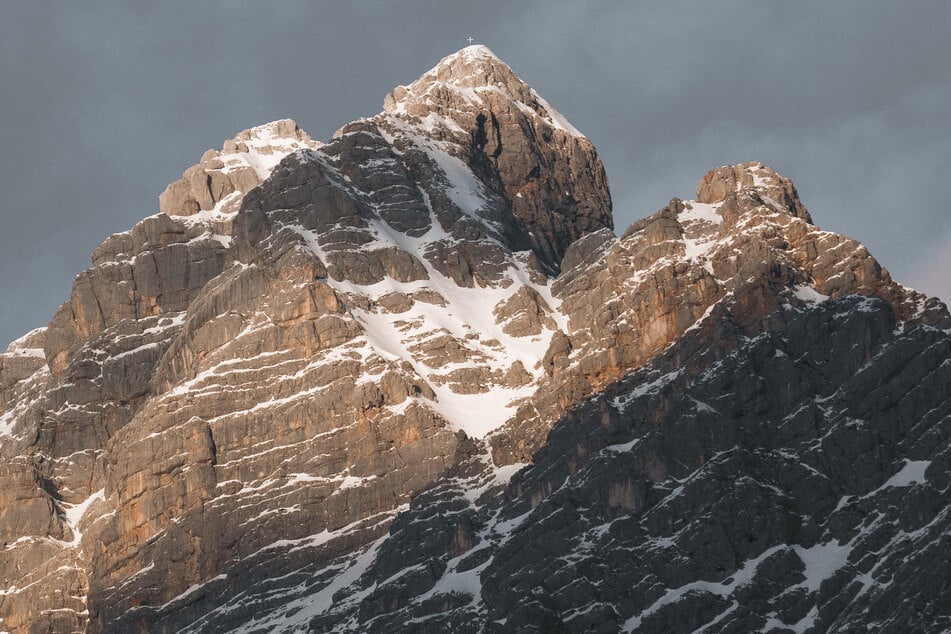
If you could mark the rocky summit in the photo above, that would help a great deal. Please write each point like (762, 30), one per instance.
(410, 380)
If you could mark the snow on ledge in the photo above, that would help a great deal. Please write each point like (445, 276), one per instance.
(809, 294)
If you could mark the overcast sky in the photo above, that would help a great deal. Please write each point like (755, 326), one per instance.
(103, 104)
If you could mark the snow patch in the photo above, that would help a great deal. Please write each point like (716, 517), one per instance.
(467, 316)
(821, 562)
(190, 591)
(73, 514)
(809, 294)
(166, 322)
(699, 222)
(7, 421)
(912, 473)
(353, 482)
(620, 403)
(19, 347)
(266, 149)
(700, 212)
(556, 119)
(758, 181)
(741, 577)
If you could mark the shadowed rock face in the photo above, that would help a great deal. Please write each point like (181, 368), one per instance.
(543, 168)
(410, 380)
(627, 299)
(791, 477)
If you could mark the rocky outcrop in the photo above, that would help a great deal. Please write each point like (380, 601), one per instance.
(410, 379)
(627, 299)
(69, 388)
(220, 180)
(516, 142)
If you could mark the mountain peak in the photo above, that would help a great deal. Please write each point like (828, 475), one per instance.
(755, 178)
(472, 106)
(472, 66)
(467, 76)
(221, 178)
(253, 405)
(473, 51)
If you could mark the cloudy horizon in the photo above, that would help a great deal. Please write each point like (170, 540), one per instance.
(105, 106)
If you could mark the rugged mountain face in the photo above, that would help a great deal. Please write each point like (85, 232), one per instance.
(410, 380)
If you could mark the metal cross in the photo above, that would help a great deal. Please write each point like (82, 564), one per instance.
(470, 41)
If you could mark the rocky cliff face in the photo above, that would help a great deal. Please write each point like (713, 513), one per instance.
(410, 380)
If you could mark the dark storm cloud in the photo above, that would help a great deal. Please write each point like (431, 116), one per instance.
(103, 106)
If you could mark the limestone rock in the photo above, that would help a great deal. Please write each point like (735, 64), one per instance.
(734, 180)
(506, 133)
(525, 313)
(411, 379)
(220, 180)
(671, 271)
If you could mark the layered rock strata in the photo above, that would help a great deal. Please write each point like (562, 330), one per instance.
(225, 387)
(410, 380)
(748, 430)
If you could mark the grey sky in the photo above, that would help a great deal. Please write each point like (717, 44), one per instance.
(104, 104)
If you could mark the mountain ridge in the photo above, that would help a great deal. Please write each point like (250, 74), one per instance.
(321, 387)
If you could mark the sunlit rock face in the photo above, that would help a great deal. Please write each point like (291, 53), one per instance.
(409, 380)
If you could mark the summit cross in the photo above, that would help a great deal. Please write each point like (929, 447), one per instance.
(470, 40)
